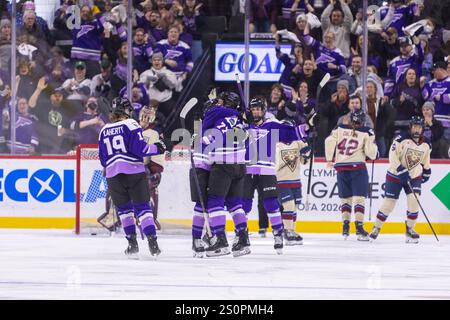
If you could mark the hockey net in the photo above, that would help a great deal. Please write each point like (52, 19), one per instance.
(91, 193)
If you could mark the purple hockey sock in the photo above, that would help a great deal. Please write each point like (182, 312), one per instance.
(126, 215)
(145, 216)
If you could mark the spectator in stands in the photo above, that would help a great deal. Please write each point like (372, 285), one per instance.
(354, 103)
(87, 126)
(382, 115)
(354, 73)
(398, 15)
(299, 29)
(167, 16)
(434, 131)
(177, 55)
(311, 75)
(78, 87)
(373, 58)
(139, 98)
(427, 63)
(5, 44)
(389, 47)
(87, 40)
(276, 101)
(305, 103)
(263, 16)
(339, 22)
(41, 24)
(291, 9)
(293, 64)
(410, 57)
(331, 111)
(26, 81)
(160, 82)
(101, 84)
(334, 63)
(407, 100)
(53, 116)
(151, 23)
(192, 9)
(119, 75)
(438, 91)
(26, 135)
(186, 37)
(58, 68)
(142, 51)
(30, 27)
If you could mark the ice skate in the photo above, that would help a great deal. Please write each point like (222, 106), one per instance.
(346, 229)
(278, 239)
(362, 234)
(198, 248)
(207, 240)
(292, 238)
(374, 234)
(132, 251)
(411, 235)
(241, 244)
(262, 232)
(153, 246)
(219, 247)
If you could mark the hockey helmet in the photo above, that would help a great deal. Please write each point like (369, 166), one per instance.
(230, 99)
(357, 117)
(416, 121)
(122, 107)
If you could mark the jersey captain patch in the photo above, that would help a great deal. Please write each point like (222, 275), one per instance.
(413, 157)
(290, 158)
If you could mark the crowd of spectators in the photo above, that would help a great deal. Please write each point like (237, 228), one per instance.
(67, 75)
(408, 64)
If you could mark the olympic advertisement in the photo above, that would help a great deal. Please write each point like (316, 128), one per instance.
(46, 188)
(263, 63)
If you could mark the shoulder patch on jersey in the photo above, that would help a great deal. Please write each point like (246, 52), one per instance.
(131, 124)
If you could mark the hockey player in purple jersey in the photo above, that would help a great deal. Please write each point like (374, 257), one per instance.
(224, 139)
(260, 156)
(121, 150)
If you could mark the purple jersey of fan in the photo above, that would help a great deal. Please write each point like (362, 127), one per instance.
(180, 53)
(324, 56)
(142, 54)
(87, 40)
(399, 65)
(26, 135)
(89, 134)
(401, 16)
(261, 146)
(439, 89)
(218, 136)
(122, 148)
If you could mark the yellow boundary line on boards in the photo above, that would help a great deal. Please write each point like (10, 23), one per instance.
(302, 226)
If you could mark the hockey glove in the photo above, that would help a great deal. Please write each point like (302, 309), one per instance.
(426, 174)
(403, 174)
(305, 152)
(164, 145)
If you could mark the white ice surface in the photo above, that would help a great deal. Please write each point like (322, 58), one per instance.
(37, 264)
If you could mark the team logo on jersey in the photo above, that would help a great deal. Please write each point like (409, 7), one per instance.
(290, 158)
(437, 92)
(54, 118)
(413, 157)
(86, 28)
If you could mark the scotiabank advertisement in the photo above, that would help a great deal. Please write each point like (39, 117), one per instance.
(46, 187)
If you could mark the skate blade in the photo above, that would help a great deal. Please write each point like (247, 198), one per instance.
(241, 253)
(293, 243)
(198, 255)
(218, 253)
(412, 241)
(133, 256)
(345, 237)
(279, 251)
(360, 238)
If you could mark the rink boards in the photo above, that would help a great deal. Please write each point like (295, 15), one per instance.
(39, 192)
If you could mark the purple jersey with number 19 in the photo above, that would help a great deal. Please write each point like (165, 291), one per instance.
(122, 148)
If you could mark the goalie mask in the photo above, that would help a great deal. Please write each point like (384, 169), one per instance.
(416, 126)
(122, 107)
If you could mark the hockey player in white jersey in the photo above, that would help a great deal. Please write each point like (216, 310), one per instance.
(409, 166)
(351, 144)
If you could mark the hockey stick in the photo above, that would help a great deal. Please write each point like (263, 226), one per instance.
(188, 107)
(322, 84)
(421, 208)
(371, 184)
(241, 92)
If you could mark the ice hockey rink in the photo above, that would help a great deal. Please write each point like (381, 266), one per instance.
(56, 264)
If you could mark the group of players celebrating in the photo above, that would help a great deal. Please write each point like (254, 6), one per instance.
(239, 149)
